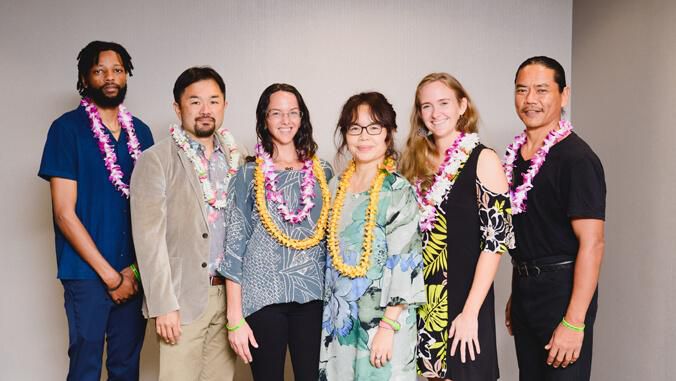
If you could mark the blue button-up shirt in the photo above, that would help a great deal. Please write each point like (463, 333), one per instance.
(72, 152)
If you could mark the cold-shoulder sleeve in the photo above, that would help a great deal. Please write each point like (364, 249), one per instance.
(495, 220)
(238, 223)
(402, 275)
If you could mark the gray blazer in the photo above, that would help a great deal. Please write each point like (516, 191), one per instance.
(171, 235)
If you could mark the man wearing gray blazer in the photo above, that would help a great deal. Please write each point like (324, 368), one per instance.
(178, 193)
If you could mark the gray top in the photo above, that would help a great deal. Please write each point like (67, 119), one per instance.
(268, 272)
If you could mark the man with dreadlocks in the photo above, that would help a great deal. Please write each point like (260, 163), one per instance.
(88, 159)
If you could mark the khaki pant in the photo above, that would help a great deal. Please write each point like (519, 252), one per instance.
(202, 353)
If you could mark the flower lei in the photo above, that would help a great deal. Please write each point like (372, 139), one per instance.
(261, 188)
(370, 217)
(456, 156)
(307, 187)
(519, 195)
(202, 166)
(115, 173)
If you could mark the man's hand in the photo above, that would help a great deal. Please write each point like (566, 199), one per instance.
(508, 316)
(168, 327)
(127, 289)
(465, 331)
(381, 347)
(239, 342)
(564, 347)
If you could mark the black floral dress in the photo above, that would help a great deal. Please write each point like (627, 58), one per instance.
(470, 220)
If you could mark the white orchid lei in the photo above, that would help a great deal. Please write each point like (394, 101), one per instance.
(115, 173)
(202, 166)
(456, 156)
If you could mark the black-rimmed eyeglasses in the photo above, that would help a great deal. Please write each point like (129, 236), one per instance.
(371, 129)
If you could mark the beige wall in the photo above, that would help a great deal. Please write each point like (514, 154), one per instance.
(624, 101)
(328, 49)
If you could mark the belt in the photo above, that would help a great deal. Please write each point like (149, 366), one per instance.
(216, 280)
(525, 269)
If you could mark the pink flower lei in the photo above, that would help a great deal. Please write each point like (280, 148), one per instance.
(307, 193)
(115, 173)
(520, 194)
(456, 156)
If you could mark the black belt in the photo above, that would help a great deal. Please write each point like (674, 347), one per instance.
(526, 269)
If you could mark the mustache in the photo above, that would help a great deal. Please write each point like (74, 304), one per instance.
(205, 118)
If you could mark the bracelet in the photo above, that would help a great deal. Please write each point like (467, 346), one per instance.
(570, 326)
(133, 268)
(111, 289)
(382, 324)
(395, 326)
(238, 326)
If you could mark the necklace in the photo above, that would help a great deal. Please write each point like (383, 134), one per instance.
(273, 194)
(115, 173)
(202, 166)
(454, 160)
(519, 195)
(364, 262)
(264, 190)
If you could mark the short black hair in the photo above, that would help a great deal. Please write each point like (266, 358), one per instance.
(196, 74)
(306, 147)
(550, 63)
(89, 56)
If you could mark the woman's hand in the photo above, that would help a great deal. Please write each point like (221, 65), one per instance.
(381, 348)
(239, 342)
(465, 331)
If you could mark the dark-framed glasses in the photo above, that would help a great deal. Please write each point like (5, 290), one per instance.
(371, 129)
(279, 115)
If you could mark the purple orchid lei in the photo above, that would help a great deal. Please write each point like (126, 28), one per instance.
(307, 193)
(520, 194)
(456, 156)
(115, 173)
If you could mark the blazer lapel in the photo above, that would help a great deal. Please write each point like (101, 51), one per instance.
(194, 181)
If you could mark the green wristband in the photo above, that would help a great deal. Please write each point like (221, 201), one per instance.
(238, 326)
(137, 275)
(395, 326)
(572, 327)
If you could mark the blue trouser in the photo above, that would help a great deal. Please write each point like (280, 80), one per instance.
(92, 318)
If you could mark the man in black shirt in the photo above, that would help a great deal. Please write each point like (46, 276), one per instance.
(558, 200)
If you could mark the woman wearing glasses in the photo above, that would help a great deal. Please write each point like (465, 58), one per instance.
(466, 222)
(274, 250)
(374, 269)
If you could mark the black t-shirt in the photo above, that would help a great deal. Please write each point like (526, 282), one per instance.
(570, 184)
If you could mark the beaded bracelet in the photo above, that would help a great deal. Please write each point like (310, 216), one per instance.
(570, 326)
(395, 326)
(133, 268)
(238, 326)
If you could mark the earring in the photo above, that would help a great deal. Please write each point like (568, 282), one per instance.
(424, 132)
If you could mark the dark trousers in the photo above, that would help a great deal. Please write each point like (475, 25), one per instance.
(94, 318)
(539, 302)
(275, 326)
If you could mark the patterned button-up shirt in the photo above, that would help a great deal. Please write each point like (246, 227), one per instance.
(218, 169)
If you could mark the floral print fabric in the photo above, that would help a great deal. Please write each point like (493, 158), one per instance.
(353, 307)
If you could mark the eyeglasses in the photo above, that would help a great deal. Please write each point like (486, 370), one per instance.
(278, 115)
(371, 129)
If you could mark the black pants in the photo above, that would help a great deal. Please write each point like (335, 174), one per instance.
(539, 302)
(275, 326)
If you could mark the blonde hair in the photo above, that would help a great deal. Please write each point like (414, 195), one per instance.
(417, 160)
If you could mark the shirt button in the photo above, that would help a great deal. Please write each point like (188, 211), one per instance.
(204, 264)
(205, 235)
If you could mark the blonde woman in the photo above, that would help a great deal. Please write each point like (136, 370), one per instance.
(374, 269)
(462, 191)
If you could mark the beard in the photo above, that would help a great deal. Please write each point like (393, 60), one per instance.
(205, 130)
(104, 101)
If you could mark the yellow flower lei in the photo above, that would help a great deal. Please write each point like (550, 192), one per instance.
(370, 217)
(273, 229)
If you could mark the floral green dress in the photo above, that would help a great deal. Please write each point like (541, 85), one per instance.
(353, 307)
